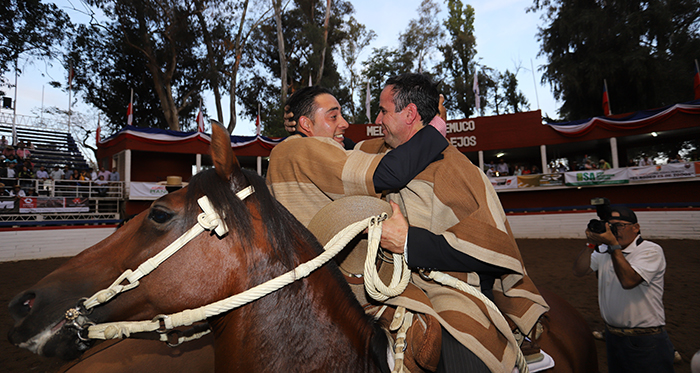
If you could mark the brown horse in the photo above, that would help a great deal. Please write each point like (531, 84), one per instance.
(314, 324)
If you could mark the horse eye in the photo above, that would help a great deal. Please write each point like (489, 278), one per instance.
(159, 216)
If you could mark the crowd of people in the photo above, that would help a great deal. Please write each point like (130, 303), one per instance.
(19, 174)
(503, 169)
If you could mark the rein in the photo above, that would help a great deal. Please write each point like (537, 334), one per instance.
(210, 220)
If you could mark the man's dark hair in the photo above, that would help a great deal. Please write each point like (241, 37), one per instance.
(418, 89)
(302, 102)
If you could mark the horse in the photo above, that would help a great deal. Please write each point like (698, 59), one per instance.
(314, 324)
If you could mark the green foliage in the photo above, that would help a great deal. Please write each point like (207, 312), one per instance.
(30, 28)
(645, 50)
(458, 64)
(382, 64)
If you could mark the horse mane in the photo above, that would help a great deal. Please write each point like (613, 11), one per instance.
(283, 231)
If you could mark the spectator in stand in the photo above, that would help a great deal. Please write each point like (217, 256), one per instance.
(589, 165)
(67, 173)
(104, 173)
(3, 191)
(646, 161)
(11, 171)
(93, 174)
(42, 174)
(17, 192)
(534, 170)
(114, 175)
(517, 170)
(9, 151)
(3, 143)
(502, 168)
(631, 163)
(56, 174)
(490, 172)
(30, 146)
(676, 159)
(604, 165)
(491, 166)
(27, 174)
(31, 192)
(101, 184)
(22, 152)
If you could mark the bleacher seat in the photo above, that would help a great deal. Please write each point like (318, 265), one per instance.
(51, 147)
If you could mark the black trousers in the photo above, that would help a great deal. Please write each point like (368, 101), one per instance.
(454, 357)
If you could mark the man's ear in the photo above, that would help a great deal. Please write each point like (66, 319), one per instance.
(411, 113)
(305, 125)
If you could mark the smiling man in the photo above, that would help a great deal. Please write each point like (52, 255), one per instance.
(630, 294)
(311, 168)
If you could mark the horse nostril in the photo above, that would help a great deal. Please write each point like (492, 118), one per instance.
(22, 305)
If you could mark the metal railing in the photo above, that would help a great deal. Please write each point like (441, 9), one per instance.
(69, 188)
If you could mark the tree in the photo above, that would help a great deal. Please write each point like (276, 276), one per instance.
(164, 37)
(32, 28)
(645, 50)
(296, 38)
(381, 65)
(423, 34)
(358, 39)
(458, 59)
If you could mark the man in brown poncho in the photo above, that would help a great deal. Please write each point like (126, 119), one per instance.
(456, 224)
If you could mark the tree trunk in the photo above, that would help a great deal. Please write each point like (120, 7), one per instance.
(238, 55)
(280, 46)
(325, 41)
(213, 71)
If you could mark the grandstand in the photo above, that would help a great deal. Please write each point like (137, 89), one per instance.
(51, 147)
(99, 203)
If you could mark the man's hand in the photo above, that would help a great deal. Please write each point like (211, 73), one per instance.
(289, 124)
(606, 237)
(394, 231)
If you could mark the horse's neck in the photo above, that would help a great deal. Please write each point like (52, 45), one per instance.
(310, 324)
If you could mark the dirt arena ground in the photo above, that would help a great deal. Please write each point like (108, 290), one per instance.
(548, 262)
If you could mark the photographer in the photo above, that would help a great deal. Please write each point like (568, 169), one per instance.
(630, 272)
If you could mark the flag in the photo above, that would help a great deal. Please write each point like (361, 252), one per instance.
(200, 118)
(475, 88)
(130, 114)
(696, 81)
(606, 99)
(257, 123)
(97, 132)
(130, 110)
(367, 103)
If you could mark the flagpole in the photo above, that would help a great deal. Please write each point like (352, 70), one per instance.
(70, 93)
(257, 134)
(605, 83)
(14, 110)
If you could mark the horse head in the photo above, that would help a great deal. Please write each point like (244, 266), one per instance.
(208, 268)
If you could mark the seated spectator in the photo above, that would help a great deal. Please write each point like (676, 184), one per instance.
(17, 192)
(3, 143)
(589, 165)
(604, 165)
(676, 159)
(31, 192)
(490, 172)
(646, 161)
(502, 168)
(3, 191)
(526, 171)
(517, 170)
(534, 170)
(101, 184)
(93, 174)
(22, 152)
(30, 146)
(11, 171)
(25, 175)
(9, 151)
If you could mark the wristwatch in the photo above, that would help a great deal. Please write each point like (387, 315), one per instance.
(612, 248)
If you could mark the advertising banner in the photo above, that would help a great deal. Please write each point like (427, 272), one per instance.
(53, 204)
(528, 181)
(146, 191)
(508, 182)
(597, 177)
(552, 179)
(662, 171)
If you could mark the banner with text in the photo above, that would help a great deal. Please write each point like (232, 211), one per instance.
(662, 171)
(508, 182)
(597, 177)
(53, 204)
(146, 190)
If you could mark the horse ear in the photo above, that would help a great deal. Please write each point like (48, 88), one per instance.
(225, 162)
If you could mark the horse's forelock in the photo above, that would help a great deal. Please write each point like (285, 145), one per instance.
(282, 230)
